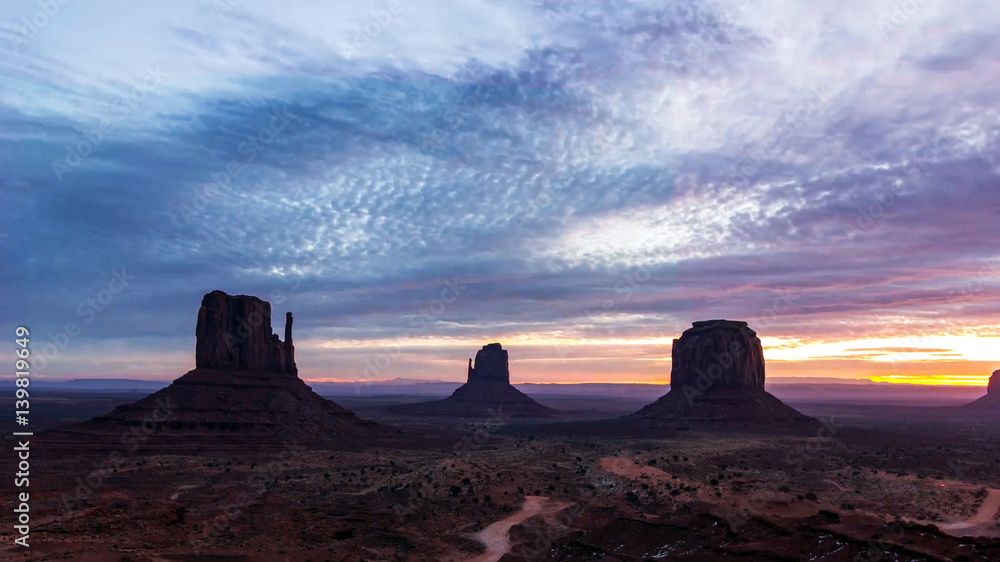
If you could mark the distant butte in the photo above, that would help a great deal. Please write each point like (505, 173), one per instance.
(717, 379)
(992, 399)
(245, 380)
(487, 392)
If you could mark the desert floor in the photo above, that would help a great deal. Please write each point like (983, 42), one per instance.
(873, 489)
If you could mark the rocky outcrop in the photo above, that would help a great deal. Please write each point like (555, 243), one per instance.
(491, 365)
(991, 402)
(234, 332)
(717, 381)
(726, 353)
(487, 392)
(245, 381)
(289, 349)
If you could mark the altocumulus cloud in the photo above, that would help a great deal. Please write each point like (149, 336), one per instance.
(572, 146)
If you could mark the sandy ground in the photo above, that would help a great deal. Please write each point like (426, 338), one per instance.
(496, 537)
(623, 498)
(628, 468)
(978, 523)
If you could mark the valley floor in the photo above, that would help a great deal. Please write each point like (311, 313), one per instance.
(864, 490)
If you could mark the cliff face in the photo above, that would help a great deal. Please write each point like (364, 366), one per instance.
(288, 348)
(991, 402)
(491, 365)
(721, 353)
(234, 332)
(717, 381)
(245, 381)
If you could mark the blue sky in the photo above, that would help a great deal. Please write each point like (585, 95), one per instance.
(579, 180)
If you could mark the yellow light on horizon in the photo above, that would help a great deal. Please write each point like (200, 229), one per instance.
(932, 380)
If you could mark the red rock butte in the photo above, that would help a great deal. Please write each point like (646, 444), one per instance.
(991, 401)
(234, 332)
(717, 378)
(245, 380)
(487, 392)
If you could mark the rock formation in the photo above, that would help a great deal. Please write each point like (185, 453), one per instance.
(491, 365)
(991, 401)
(288, 347)
(728, 353)
(717, 379)
(245, 380)
(234, 332)
(487, 392)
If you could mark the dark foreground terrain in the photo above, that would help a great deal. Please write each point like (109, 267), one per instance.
(874, 483)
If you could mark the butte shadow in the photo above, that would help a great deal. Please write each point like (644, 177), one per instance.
(243, 392)
(487, 392)
(716, 384)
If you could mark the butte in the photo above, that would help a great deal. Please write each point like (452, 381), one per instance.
(990, 402)
(717, 381)
(245, 382)
(486, 393)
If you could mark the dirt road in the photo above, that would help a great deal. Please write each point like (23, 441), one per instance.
(496, 537)
(983, 518)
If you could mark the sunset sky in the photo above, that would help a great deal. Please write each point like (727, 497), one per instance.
(577, 180)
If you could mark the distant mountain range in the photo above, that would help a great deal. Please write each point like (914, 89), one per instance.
(805, 389)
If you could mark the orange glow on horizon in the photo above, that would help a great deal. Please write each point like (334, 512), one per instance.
(560, 358)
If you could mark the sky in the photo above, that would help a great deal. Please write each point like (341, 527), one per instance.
(577, 180)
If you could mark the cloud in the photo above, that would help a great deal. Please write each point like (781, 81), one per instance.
(588, 171)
